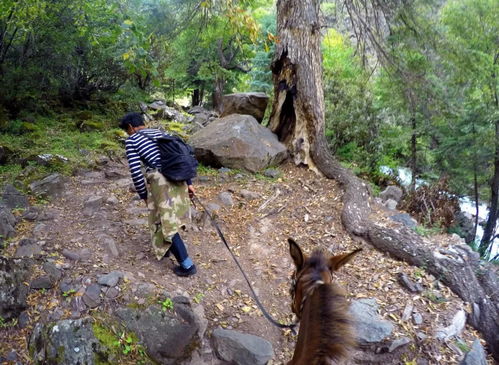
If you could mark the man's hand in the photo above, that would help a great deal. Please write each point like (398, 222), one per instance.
(191, 190)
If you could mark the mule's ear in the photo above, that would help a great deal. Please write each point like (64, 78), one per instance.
(335, 262)
(296, 254)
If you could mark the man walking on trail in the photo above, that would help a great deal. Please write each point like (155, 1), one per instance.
(167, 201)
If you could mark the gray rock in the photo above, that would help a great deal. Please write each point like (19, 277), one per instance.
(169, 337)
(272, 173)
(42, 282)
(110, 245)
(23, 320)
(405, 219)
(369, 327)
(111, 293)
(72, 255)
(213, 207)
(81, 255)
(112, 200)
(249, 195)
(110, 279)
(417, 318)
(41, 230)
(476, 356)
(390, 204)
(93, 204)
(241, 348)
(13, 290)
(455, 328)
(408, 284)
(251, 103)
(29, 250)
(48, 159)
(239, 142)
(391, 192)
(66, 286)
(53, 272)
(50, 187)
(7, 224)
(11, 356)
(421, 336)
(92, 296)
(226, 198)
(12, 198)
(115, 174)
(465, 226)
(398, 343)
(78, 305)
(67, 342)
(31, 214)
(6, 155)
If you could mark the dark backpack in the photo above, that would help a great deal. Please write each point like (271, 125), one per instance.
(177, 158)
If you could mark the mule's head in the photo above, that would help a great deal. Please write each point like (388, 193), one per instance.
(312, 271)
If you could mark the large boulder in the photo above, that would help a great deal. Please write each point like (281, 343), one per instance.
(6, 155)
(51, 186)
(162, 111)
(253, 104)
(14, 273)
(12, 198)
(464, 226)
(170, 335)
(241, 348)
(370, 328)
(391, 192)
(7, 223)
(67, 342)
(201, 117)
(239, 142)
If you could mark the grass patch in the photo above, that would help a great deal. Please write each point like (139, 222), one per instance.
(57, 135)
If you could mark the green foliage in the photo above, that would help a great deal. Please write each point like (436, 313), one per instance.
(351, 124)
(5, 323)
(166, 305)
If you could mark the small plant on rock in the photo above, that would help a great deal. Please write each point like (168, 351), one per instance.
(166, 304)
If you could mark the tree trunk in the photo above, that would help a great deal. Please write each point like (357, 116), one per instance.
(475, 183)
(414, 151)
(298, 120)
(195, 99)
(298, 108)
(490, 226)
(218, 92)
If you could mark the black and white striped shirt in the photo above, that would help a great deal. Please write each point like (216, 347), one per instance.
(142, 147)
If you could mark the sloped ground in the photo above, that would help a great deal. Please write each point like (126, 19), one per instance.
(299, 205)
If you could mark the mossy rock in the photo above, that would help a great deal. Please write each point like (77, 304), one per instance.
(90, 125)
(84, 115)
(28, 127)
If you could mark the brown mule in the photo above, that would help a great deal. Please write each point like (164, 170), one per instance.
(326, 336)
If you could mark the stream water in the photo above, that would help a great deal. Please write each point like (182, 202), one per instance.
(466, 204)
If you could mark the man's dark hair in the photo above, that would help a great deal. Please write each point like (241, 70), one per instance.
(134, 119)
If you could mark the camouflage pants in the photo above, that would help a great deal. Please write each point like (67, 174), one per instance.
(168, 205)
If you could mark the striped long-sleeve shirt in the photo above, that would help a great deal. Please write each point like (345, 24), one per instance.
(141, 148)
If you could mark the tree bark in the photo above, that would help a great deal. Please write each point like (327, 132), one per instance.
(488, 232)
(298, 120)
(297, 65)
(218, 92)
(195, 99)
(490, 226)
(414, 151)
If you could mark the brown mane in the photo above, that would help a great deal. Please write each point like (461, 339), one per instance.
(326, 335)
(335, 323)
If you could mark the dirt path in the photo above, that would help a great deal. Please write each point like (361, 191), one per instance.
(305, 207)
